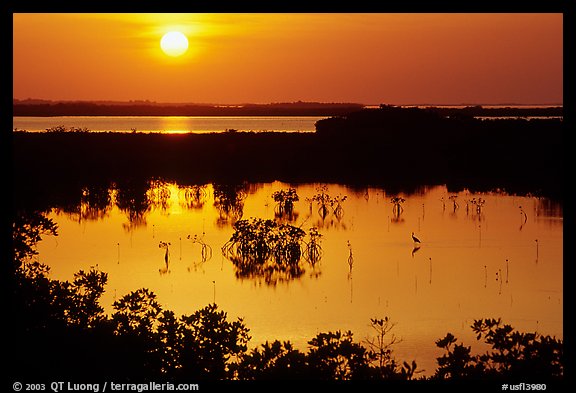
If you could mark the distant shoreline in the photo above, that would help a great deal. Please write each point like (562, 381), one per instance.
(41, 108)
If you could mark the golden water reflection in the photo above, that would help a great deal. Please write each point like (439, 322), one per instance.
(480, 256)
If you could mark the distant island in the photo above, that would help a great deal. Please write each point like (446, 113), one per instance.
(41, 108)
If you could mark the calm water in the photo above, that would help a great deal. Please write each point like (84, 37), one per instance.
(181, 124)
(170, 124)
(504, 261)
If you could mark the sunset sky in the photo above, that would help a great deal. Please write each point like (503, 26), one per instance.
(263, 58)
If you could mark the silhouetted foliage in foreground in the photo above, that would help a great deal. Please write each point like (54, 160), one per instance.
(60, 330)
(514, 355)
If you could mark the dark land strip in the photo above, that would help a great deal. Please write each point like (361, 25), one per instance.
(393, 148)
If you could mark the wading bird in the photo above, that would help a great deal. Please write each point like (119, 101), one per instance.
(416, 240)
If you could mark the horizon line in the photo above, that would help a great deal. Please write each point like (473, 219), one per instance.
(147, 101)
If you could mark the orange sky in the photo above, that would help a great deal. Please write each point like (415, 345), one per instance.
(262, 58)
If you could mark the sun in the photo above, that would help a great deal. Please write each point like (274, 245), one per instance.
(174, 43)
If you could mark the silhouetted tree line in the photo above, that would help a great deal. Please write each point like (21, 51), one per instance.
(480, 111)
(87, 108)
(394, 119)
(460, 151)
(389, 147)
(58, 329)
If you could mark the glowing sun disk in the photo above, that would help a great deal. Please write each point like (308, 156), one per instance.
(174, 43)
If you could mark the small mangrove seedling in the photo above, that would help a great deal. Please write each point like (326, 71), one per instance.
(350, 257)
(479, 203)
(313, 252)
(336, 204)
(323, 200)
(454, 203)
(166, 246)
(397, 205)
(205, 249)
(285, 201)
